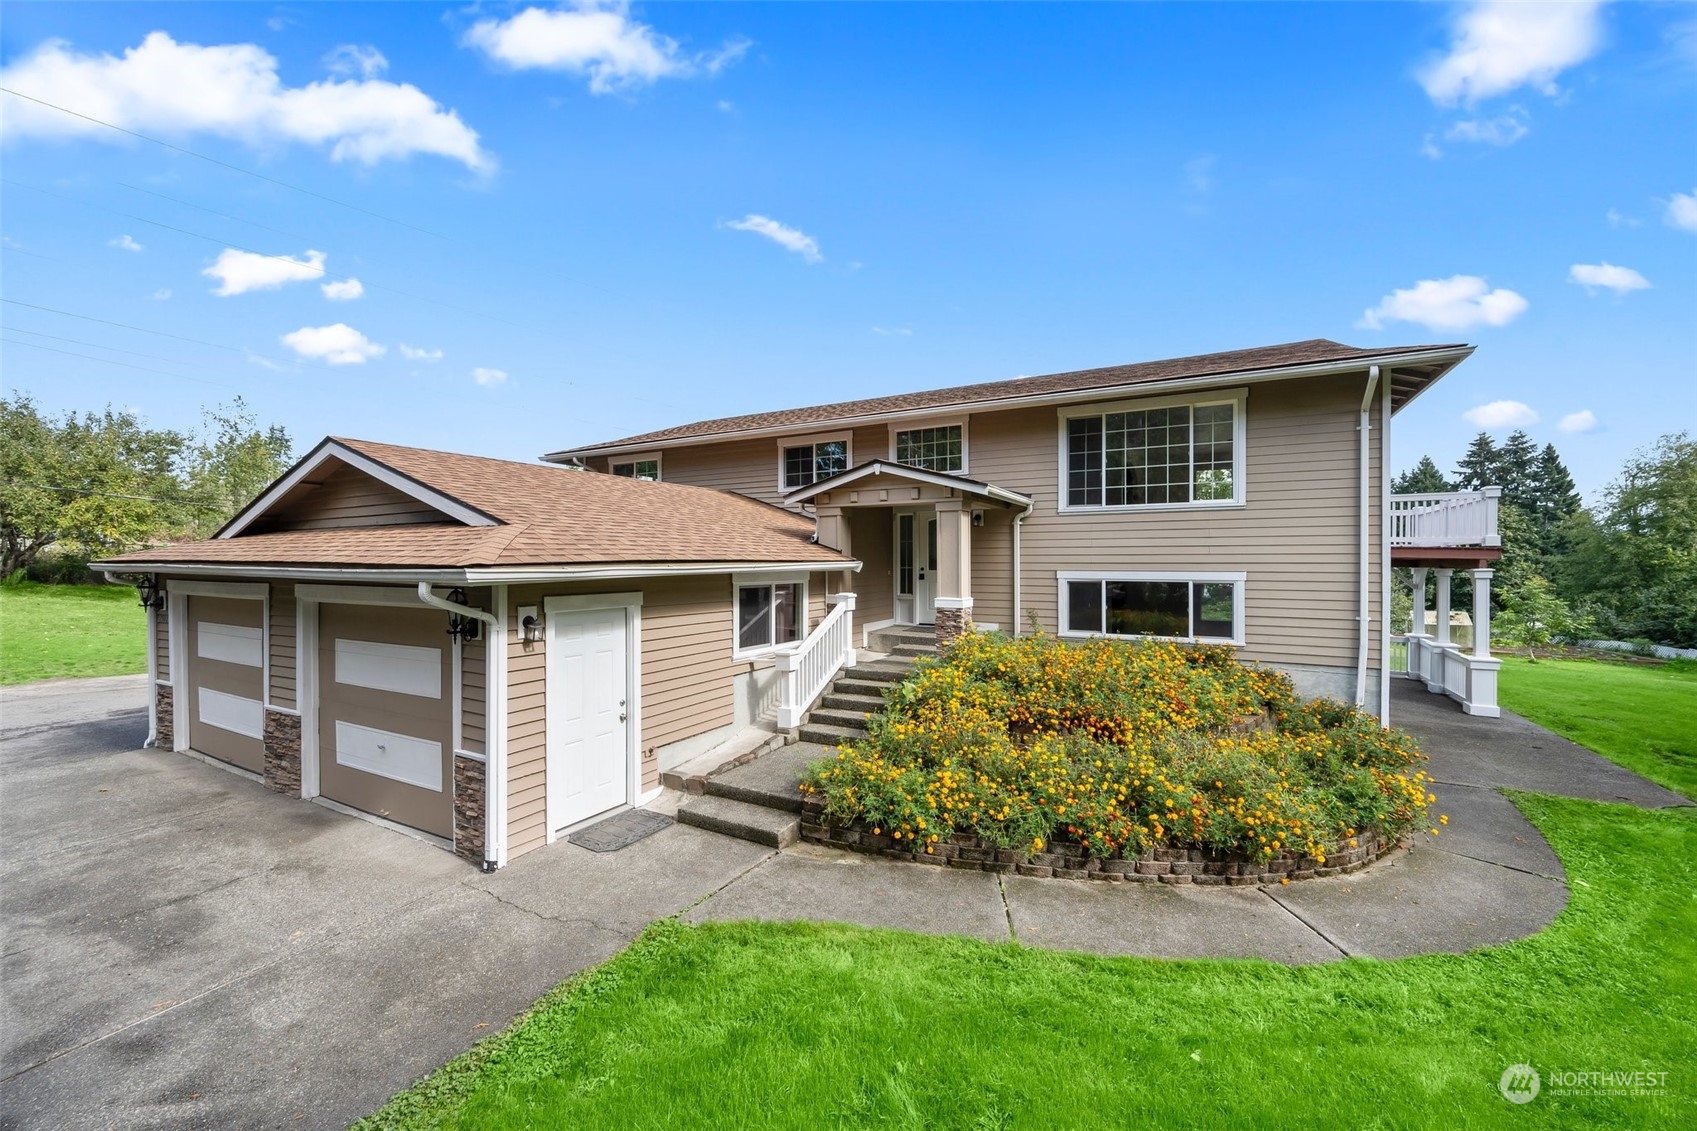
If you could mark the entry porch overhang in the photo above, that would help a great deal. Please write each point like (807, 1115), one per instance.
(883, 482)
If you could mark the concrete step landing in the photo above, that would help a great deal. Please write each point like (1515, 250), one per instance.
(776, 828)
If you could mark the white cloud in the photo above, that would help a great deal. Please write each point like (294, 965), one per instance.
(414, 353)
(597, 40)
(124, 243)
(1682, 211)
(352, 59)
(726, 105)
(1501, 414)
(1199, 172)
(1618, 219)
(488, 376)
(1429, 148)
(893, 331)
(345, 290)
(163, 294)
(1500, 131)
(238, 272)
(1582, 421)
(232, 91)
(1501, 45)
(1459, 302)
(791, 239)
(339, 344)
(1620, 280)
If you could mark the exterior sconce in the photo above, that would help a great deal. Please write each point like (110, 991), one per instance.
(461, 627)
(152, 594)
(530, 625)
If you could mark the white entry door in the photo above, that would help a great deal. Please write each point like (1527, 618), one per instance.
(916, 567)
(587, 712)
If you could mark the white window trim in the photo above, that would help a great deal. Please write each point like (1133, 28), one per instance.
(640, 457)
(937, 422)
(814, 438)
(1238, 581)
(1238, 398)
(758, 580)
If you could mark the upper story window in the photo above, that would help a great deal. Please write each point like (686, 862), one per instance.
(1154, 454)
(806, 461)
(641, 467)
(940, 447)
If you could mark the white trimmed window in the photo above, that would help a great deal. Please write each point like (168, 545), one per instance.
(939, 446)
(771, 612)
(1204, 607)
(804, 460)
(1153, 453)
(638, 467)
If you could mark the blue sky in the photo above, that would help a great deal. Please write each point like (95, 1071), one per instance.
(574, 223)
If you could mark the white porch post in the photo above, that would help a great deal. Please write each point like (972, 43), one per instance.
(953, 601)
(1435, 675)
(1418, 628)
(1482, 612)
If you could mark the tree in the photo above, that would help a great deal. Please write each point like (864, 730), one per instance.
(1535, 616)
(1555, 499)
(1425, 479)
(1478, 468)
(1636, 557)
(228, 464)
(1517, 464)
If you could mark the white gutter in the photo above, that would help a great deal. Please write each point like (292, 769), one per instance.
(1385, 555)
(1144, 389)
(429, 598)
(1018, 521)
(494, 752)
(152, 666)
(472, 576)
(1366, 548)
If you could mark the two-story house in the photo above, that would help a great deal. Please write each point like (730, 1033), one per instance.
(491, 653)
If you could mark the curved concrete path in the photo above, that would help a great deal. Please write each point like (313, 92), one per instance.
(1490, 877)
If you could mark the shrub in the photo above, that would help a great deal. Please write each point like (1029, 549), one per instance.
(1121, 746)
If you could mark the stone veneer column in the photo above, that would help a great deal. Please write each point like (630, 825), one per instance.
(470, 793)
(163, 734)
(951, 622)
(282, 752)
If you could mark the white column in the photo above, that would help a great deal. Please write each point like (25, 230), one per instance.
(1482, 612)
(1444, 606)
(1418, 628)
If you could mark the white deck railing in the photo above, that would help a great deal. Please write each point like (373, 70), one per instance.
(1453, 518)
(807, 669)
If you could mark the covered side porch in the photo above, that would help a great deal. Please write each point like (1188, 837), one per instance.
(928, 526)
(1442, 534)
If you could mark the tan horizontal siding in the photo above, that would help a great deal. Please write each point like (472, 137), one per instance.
(871, 538)
(347, 497)
(686, 683)
(284, 678)
(162, 642)
(992, 569)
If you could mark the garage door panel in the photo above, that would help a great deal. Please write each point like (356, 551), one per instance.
(226, 667)
(385, 714)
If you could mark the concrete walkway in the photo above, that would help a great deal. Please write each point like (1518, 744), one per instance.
(183, 949)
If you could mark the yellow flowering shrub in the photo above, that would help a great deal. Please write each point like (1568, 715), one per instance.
(1123, 746)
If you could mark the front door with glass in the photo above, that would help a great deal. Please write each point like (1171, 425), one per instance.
(916, 567)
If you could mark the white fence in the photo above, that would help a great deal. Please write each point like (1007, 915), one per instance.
(1467, 677)
(807, 669)
(1454, 518)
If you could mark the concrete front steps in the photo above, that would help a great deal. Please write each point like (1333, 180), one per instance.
(760, 800)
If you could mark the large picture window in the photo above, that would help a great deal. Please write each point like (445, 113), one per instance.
(1173, 454)
(770, 614)
(941, 448)
(806, 464)
(1205, 607)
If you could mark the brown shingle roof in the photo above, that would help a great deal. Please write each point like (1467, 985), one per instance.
(1311, 352)
(549, 515)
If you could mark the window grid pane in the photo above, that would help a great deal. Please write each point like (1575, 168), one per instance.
(754, 616)
(1213, 435)
(904, 555)
(798, 467)
(1214, 614)
(1148, 608)
(934, 449)
(1084, 461)
(1084, 606)
(642, 469)
(1178, 454)
(786, 613)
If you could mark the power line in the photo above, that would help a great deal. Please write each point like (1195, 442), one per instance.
(99, 346)
(122, 325)
(222, 164)
(213, 211)
(122, 364)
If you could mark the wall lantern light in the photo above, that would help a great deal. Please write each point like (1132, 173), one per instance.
(152, 594)
(459, 626)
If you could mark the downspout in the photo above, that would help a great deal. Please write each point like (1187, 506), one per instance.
(1385, 554)
(1364, 428)
(492, 789)
(152, 667)
(1018, 521)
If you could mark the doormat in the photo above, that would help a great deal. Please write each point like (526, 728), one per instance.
(619, 831)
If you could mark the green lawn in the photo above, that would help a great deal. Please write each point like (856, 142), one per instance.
(819, 1026)
(1642, 716)
(60, 631)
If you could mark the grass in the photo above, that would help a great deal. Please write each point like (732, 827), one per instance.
(824, 1026)
(63, 631)
(1642, 716)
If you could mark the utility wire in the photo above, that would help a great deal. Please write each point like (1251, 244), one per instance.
(98, 346)
(122, 364)
(213, 211)
(222, 164)
(248, 353)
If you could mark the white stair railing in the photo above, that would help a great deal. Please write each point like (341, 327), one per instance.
(1452, 518)
(807, 669)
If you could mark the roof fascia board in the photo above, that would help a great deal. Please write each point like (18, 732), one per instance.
(902, 471)
(383, 473)
(1104, 392)
(473, 575)
(1462, 355)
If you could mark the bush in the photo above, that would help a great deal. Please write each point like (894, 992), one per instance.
(1124, 747)
(62, 569)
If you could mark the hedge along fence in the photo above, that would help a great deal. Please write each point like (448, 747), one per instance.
(1112, 751)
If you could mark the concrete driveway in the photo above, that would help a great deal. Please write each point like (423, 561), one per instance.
(184, 949)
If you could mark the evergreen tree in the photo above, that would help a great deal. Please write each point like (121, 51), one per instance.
(1555, 498)
(1478, 468)
(1517, 467)
(1425, 479)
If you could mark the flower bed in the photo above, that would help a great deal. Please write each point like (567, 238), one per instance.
(1109, 751)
